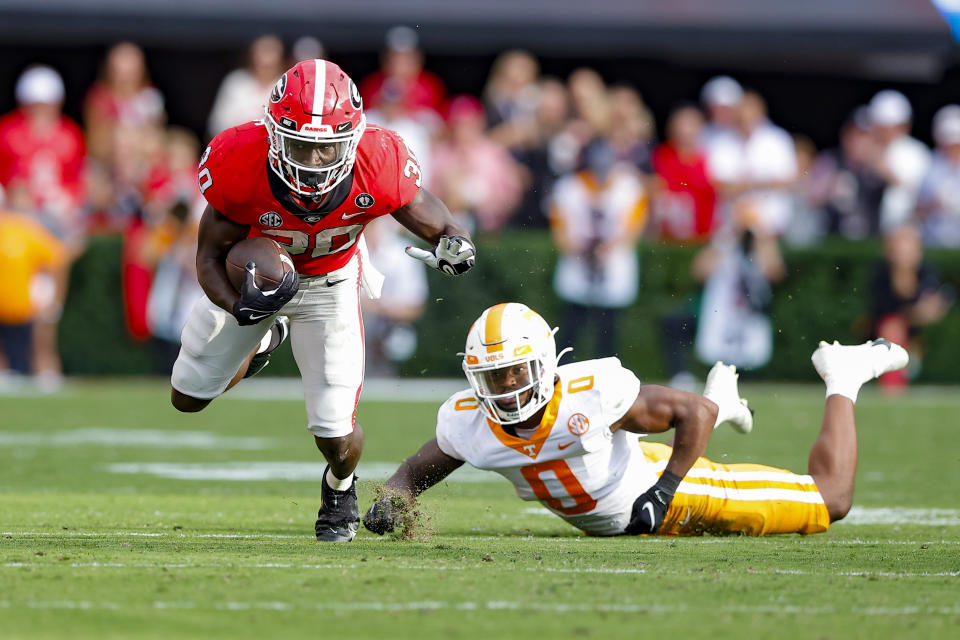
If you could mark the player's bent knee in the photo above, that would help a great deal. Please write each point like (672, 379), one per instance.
(185, 403)
(838, 507)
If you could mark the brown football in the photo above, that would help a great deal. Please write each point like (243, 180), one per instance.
(271, 259)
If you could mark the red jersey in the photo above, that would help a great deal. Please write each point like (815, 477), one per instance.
(237, 181)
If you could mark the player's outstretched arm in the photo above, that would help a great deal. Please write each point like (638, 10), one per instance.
(656, 410)
(428, 218)
(422, 470)
(218, 234)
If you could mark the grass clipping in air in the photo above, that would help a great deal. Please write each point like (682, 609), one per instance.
(411, 522)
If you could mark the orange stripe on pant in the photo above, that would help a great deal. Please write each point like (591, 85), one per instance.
(746, 499)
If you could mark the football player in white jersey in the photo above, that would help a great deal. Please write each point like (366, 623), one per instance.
(569, 437)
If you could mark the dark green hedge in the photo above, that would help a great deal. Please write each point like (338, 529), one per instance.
(823, 297)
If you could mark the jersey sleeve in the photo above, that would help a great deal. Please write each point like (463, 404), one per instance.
(445, 430)
(408, 174)
(211, 176)
(618, 389)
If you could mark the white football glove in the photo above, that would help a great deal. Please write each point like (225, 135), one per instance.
(454, 255)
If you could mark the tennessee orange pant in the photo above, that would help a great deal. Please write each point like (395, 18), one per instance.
(747, 499)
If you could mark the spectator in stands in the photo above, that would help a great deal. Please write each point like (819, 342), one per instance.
(547, 150)
(402, 63)
(123, 96)
(806, 226)
(845, 182)
(167, 244)
(630, 131)
(906, 296)
(242, 92)
(755, 168)
(27, 250)
(591, 104)
(598, 216)
(721, 97)
(306, 48)
(172, 248)
(388, 322)
(938, 202)
(42, 156)
(684, 206)
(903, 160)
(476, 177)
(417, 128)
(511, 97)
(737, 269)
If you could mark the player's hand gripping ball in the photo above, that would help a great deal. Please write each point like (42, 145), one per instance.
(454, 255)
(263, 274)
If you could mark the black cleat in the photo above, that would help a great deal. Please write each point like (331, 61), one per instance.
(279, 331)
(339, 516)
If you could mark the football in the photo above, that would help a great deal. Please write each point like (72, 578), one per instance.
(271, 259)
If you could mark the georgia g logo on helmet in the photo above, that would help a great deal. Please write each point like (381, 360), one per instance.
(355, 98)
(279, 89)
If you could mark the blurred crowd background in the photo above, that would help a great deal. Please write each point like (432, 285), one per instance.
(720, 147)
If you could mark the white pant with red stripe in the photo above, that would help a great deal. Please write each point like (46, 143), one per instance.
(326, 334)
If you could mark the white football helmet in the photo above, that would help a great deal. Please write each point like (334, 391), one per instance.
(505, 336)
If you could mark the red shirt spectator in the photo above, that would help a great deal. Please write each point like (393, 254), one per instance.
(402, 70)
(42, 151)
(687, 199)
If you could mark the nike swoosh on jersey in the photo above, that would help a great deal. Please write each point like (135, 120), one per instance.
(347, 216)
(565, 445)
(335, 282)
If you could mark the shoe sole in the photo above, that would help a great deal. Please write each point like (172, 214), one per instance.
(336, 537)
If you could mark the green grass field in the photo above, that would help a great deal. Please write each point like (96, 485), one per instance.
(120, 518)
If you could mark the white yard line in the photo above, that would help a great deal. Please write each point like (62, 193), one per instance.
(489, 605)
(152, 438)
(288, 471)
(464, 567)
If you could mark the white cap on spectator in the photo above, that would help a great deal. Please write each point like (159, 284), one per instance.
(721, 91)
(890, 108)
(39, 84)
(402, 38)
(946, 125)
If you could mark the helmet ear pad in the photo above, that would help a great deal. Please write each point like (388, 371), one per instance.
(504, 336)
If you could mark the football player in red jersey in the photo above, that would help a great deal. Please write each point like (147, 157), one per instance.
(311, 175)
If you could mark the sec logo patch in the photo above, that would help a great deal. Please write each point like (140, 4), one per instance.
(271, 219)
(578, 424)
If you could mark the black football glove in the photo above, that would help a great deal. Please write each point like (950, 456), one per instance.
(255, 304)
(454, 255)
(379, 517)
(651, 507)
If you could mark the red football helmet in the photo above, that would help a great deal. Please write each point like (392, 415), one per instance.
(315, 121)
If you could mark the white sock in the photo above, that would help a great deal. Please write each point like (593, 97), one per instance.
(336, 483)
(847, 388)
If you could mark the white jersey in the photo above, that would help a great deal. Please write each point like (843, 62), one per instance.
(572, 463)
